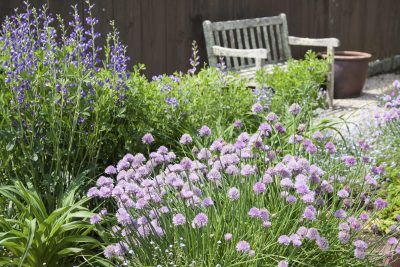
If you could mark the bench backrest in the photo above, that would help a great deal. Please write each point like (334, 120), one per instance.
(268, 32)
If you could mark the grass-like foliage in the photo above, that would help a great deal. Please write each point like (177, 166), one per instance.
(30, 236)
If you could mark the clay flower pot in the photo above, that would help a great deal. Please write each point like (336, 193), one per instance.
(351, 69)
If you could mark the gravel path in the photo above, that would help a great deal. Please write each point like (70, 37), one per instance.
(358, 112)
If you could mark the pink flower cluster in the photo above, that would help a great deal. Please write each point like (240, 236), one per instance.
(156, 193)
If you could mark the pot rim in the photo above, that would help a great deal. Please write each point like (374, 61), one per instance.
(349, 55)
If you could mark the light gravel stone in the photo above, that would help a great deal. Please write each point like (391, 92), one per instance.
(357, 113)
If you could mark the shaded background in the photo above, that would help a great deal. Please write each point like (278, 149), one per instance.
(159, 33)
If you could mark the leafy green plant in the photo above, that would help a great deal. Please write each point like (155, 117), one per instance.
(300, 82)
(30, 236)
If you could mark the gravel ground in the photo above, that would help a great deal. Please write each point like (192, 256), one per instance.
(358, 112)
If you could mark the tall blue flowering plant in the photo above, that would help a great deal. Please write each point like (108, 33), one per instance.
(60, 104)
(282, 196)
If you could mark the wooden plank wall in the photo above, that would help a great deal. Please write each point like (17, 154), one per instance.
(159, 33)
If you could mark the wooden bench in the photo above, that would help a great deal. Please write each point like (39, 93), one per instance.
(249, 44)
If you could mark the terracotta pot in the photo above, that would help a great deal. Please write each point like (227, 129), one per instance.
(351, 69)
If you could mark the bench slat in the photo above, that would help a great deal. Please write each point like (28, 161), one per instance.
(245, 23)
(279, 39)
(233, 45)
(273, 43)
(266, 39)
(225, 44)
(240, 46)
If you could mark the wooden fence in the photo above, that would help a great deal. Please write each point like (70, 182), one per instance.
(159, 33)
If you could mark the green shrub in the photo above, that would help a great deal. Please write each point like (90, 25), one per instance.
(180, 104)
(300, 83)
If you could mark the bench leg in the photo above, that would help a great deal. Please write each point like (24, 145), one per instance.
(331, 76)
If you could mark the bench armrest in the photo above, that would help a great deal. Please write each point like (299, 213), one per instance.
(325, 42)
(258, 54)
(246, 53)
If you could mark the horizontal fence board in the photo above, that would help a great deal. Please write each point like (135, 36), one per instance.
(159, 33)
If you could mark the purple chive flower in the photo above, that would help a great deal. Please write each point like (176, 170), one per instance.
(93, 192)
(200, 220)
(312, 234)
(267, 224)
(272, 117)
(109, 251)
(204, 154)
(238, 124)
(359, 254)
(110, 170)
(248, 170)
(254, 212)
(341, 214)
(265, 129)
(257, 108)
(322, 243)
(243, 246)
(291, 199)
(302, 231)
(284, 240)
(283, 263)
(228, 236)
(286, 183)
(214, 175)
(232, 170)
(360, 244)
(309, 213)
(233, 193)
(147, 139)
(252, 253)
(267, 179)
(259, 188)
(264, 214)
(343, 237)
(349, 160)
(204, 131)
(186, 139)
(296, 240)
(330, 147)
(380, 204)
(343, 193)
(208, 202)
(318, 136)
(178, 219)
(344, 227)
(364, 217)
(279, 128)
(95, 219)
(378, 170)
(392, 241)
(295, 109)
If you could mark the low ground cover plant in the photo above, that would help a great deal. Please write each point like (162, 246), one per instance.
(278, 197)
(301, 82)
(386, 148)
